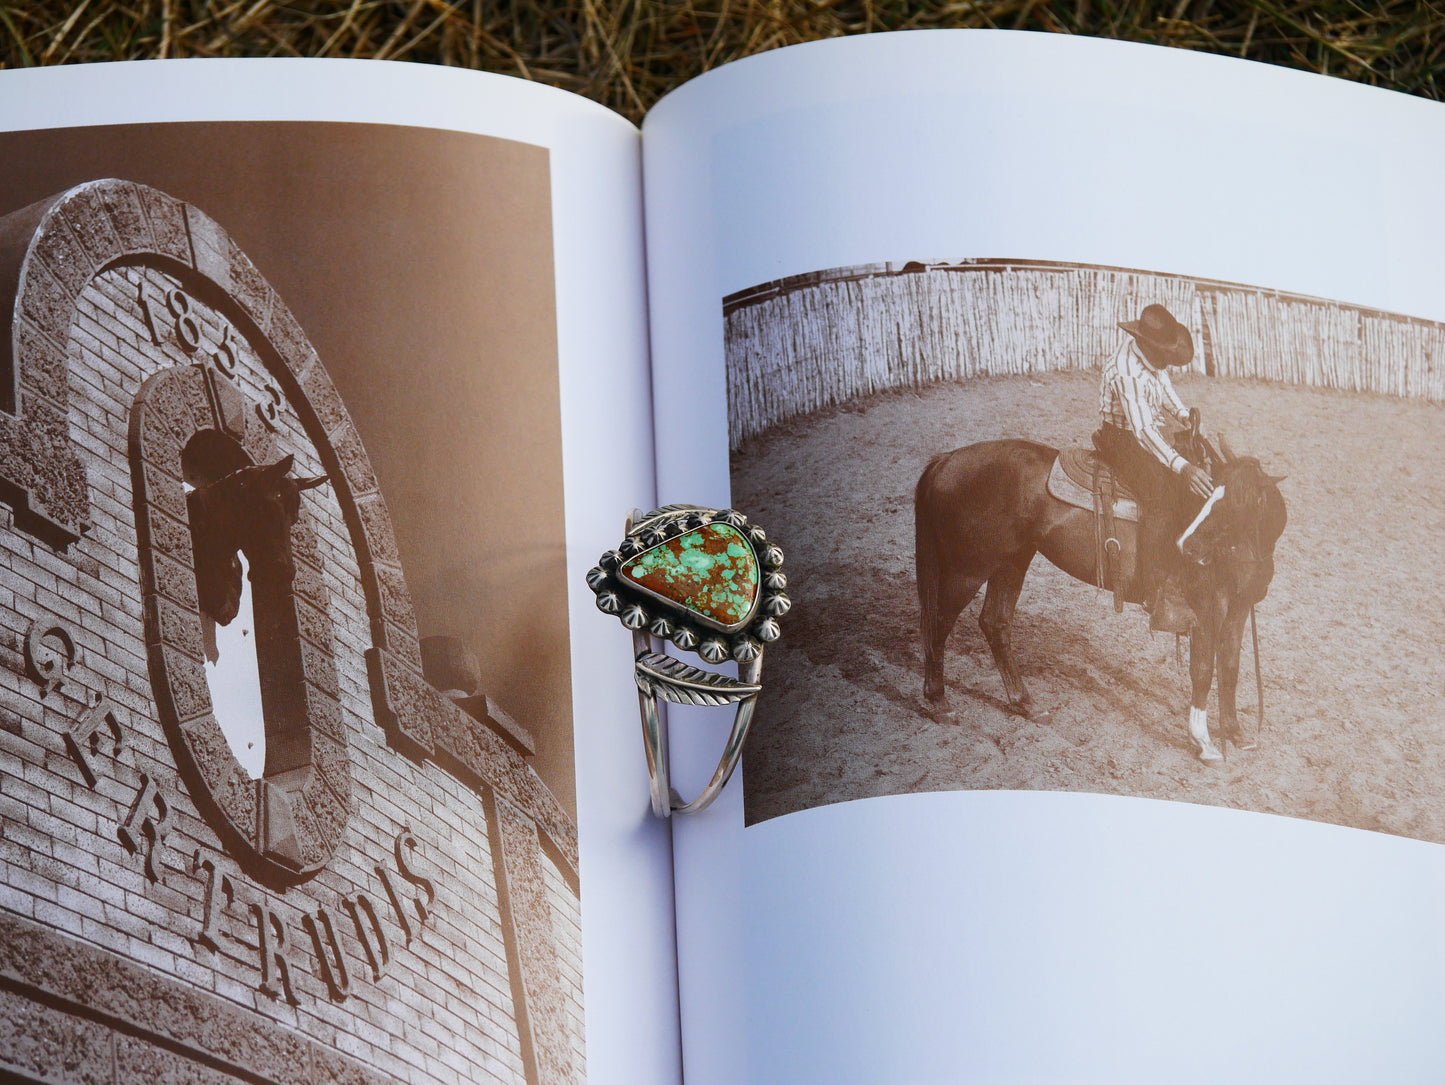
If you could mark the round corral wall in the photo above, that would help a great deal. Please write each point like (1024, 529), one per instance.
(394, 899)
(809, 341)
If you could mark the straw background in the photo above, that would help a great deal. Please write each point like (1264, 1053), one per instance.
(626, 54)
(816, 340)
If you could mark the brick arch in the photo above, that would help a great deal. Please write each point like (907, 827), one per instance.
(288, 823)
(86, 230)
(49, 252)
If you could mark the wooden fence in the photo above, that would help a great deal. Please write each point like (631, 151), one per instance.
(797, 344)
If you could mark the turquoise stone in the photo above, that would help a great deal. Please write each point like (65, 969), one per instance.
(711, 571)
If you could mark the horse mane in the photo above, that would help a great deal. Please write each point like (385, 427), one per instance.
(1254, 497)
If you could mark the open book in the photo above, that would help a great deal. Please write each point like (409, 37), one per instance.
(326, 383)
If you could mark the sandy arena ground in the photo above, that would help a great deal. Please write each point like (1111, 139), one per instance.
(1352, 633)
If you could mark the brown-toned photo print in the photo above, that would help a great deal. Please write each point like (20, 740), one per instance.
(285, 742)
(1074, 528)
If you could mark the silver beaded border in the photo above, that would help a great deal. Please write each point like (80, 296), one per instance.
(667, 621)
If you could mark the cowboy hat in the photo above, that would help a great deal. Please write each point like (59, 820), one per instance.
(1163, 339)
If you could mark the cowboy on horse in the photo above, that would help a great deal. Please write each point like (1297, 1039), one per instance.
(1136, 399)
(981, 514)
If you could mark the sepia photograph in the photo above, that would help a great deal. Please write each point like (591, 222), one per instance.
(284, 615)
(1077, 528)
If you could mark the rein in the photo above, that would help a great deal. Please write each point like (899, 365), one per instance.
(1254, 633)
(1258, 677)
(1256, 557)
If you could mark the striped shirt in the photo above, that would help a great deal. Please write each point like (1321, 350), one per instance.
(1139, 398)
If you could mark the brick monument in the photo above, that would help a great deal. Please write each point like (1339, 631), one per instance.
(380, 887)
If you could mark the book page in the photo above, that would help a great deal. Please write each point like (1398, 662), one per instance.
(322, 382)
(888, 277)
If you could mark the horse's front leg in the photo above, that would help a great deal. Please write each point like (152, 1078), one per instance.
(1227, 653)
(1201, 674)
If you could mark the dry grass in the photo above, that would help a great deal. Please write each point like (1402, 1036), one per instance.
(628, 53)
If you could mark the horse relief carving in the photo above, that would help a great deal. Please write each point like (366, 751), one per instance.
(250, 510)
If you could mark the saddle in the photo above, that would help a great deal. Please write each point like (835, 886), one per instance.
(1081, 478)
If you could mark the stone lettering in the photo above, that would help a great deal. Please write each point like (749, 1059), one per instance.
(188, 330)
(178, 319)
(220, 895)
(269, 412)
(148, 313)
(328, 954)
(273, 952)
(410, 893)
(406, 845)
(224, 356)
(85, 737)
(50, 652)
(147, 824)
(396, 906)
(369, 932)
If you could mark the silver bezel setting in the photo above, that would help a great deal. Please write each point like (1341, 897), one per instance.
(640, 609)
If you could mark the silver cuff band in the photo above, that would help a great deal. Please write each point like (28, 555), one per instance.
(654, 681)
(709, 582)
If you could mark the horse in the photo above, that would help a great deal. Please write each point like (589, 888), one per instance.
(982, 512)
(250, 510)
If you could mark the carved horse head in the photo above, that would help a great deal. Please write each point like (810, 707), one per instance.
(250, 511)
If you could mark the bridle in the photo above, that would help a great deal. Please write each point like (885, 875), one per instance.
(1203, 450)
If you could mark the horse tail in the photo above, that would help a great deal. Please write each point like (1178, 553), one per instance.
(925, 553)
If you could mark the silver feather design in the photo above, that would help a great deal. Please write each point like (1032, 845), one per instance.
(673, 680)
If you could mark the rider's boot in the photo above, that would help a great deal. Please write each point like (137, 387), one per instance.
(1169, 611)
(1159, 576)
